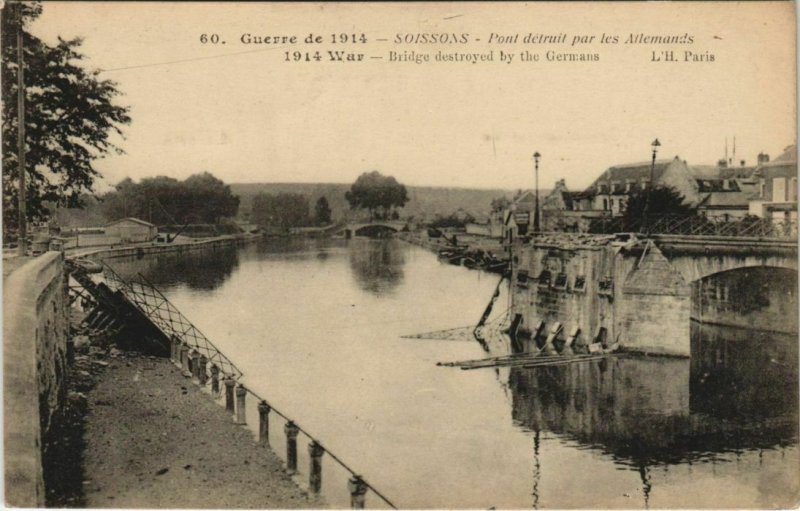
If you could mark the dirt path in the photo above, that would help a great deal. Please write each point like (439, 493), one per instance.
(154, 440)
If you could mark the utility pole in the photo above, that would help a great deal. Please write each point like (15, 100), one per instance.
(645, 223)
(22, 205)
(536, 220)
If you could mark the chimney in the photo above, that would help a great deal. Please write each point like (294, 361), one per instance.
(763, 158)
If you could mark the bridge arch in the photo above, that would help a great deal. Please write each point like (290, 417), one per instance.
(752, 297)
(375, 230)
(698, 259)
(694, 268)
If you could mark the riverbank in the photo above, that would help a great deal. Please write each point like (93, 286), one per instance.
(138, 434)
(155, 440)
(470, 241)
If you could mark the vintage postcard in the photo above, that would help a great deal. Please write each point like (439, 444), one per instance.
(446, 255)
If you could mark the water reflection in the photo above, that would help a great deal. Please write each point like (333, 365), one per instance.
(203, 270)
(377, 264)
(734, 394)
(295, 247)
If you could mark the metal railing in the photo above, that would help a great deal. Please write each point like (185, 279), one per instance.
(155, 306)
(201, 361)
(693, 225)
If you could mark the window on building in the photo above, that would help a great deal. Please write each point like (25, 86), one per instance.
(605, 204)
(793, 190)
(544, 278)
(763, 194)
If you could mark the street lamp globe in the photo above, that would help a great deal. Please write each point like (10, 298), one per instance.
(656, 144)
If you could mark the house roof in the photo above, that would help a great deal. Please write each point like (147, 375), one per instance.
(633, 172)
(527, 196)
(779, 169)
(131, 219)
(731, 200)
(717, 185)
(704, 171)
(788, 154)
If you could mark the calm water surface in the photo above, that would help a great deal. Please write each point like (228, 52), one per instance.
(316, 327)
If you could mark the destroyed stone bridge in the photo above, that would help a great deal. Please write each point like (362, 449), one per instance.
(643, 292)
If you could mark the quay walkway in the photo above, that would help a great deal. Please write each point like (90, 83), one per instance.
(155, 440)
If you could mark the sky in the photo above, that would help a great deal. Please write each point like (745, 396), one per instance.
(244, 114)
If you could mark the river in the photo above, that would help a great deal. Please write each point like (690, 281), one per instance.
(317, 327)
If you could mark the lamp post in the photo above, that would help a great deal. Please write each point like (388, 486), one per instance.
(645, 223)
(536, 225)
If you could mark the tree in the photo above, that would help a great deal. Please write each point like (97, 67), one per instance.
(500, 204)
(162, 200)
(662, 201)
(376, 193)
(208, 198)
(322, 211)
(283, 210)
(70, 116)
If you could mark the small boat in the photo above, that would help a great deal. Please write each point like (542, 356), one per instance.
(470, 262)
(499, 267)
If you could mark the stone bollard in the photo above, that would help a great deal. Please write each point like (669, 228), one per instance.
(202, 372)
(185, 359)
(172, 348)
(215, 380)
(241, 394)
(358, 492)
(315, 451)
(291, 431)
(176, 350)
(195, 366)
(263, 422)
(229, 384)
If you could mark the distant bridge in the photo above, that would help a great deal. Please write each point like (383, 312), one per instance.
(372, 228)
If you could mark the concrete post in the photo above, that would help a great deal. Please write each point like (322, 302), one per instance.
(263, 422)
(291, 431)
(173, 345)
(229, 384)
(358, 492)
(202, 372)
(315, 451)
(176, 347)
(241, 394)
(185, 359)
(214, 380)
(195, 366)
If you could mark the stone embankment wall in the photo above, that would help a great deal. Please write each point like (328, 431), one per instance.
(35, 332)
(151, 249)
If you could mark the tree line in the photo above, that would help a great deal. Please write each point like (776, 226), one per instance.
(199, 199)
(285, 210)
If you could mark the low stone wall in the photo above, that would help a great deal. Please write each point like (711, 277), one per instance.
(35, 331)
(150, 249)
